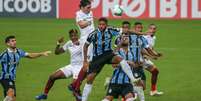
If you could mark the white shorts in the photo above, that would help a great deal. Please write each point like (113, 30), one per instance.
(71, 70)
(147, 63)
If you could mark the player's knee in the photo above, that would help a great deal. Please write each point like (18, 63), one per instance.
(52, 77)
(155, 71)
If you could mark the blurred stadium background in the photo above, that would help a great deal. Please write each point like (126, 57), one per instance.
(37, 24)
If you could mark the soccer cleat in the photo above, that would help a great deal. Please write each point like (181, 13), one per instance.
(41, 97)
(156, 93)
(75, 92)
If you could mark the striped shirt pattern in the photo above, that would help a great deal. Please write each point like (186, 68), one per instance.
(119, 76)
(9, 62)
(102, 41)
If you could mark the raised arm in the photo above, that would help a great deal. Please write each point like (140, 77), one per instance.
(59, 50)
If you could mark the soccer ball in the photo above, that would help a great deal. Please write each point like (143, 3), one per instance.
(117, 10)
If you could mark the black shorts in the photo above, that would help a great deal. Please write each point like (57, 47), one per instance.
(117, 90)
(138, 72)
(98, 62)
(6, 84)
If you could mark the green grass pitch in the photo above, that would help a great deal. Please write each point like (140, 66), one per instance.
(178, 40)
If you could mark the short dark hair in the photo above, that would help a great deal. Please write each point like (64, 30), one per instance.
(125, 22)
(72, 31)
(152, 24)
(7, 39)
(137, 23)
(103, 19)
(84, 3)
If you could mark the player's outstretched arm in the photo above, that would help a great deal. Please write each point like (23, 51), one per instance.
(36, 55)
(153, 52)
(138, 33)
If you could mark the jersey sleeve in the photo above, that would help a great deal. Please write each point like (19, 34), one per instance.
(66, 45)
(79, 17)
(22, 53)
(117, 40)
(90, 37)
(145, 43)
(114, 31)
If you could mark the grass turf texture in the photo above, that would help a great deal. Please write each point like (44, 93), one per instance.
(178, 40)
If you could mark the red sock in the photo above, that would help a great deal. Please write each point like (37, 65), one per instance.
(154, 78)
(77, 83)
(48, 86)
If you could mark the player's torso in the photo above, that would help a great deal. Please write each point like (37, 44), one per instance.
(150, 39)
(9, 63)
(76, 53)
(87, 30)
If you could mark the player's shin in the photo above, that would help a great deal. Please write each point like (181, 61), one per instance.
(140, 92)
(86, 91)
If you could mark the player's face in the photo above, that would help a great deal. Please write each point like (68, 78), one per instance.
(138, 28)
(125, 40)
(125, 28)
(87, 8)
(152, 29)
(102, 25)
(12, 43)
(74, 37)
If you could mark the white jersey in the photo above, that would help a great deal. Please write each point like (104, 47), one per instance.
(151, 40)
(81, 16)
(75, 51)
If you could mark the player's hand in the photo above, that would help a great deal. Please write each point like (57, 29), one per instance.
(85, 64)
(61, 40)
(159, 55)
(46, 53)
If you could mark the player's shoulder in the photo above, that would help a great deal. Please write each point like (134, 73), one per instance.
(2, 54)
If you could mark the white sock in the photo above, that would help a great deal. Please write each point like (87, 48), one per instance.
(140, 92)
(86, 91)
(126, 68)
(8, 98)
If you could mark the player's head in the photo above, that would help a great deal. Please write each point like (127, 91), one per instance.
(124, 40)
(152, 28)
(73, 35)
(85, 6)
(125, 26)
(138, 26)
(102, 23)
(10, 41)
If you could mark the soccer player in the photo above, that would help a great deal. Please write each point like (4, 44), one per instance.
(149, 65)
(9, 60)
(84, 20)
(137, 44)
(120, 83)
(75, 48)
(103, 54)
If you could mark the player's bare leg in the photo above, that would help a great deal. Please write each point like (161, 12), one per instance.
(52, 78)
(154, 77)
